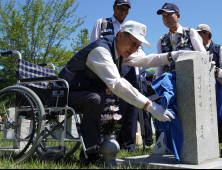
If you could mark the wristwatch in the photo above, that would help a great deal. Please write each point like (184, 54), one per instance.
(216, 72)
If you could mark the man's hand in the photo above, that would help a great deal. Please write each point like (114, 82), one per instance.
(175, 54)
(159, 112)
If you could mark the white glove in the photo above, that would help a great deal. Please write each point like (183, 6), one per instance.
(159, 112)
(175, 54)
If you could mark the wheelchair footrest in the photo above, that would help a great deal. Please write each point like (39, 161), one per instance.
(92, 149)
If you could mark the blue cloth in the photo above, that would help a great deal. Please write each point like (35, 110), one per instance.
(165, 88)
(218, 100)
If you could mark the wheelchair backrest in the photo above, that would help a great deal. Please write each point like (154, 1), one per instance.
(47, 91)
(30, 70)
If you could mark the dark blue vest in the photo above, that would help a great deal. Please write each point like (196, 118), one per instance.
(214, 49)
(78, 75)
(183, 43)
(107, 27)
(128, 72)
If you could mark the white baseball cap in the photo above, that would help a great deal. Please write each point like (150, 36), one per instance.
(203, 27)
(137, 30)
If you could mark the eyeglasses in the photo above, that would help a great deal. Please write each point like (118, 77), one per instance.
(134, 44)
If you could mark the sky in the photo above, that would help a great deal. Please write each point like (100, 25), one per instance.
(193, 13)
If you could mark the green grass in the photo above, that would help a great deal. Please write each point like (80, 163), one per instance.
(71, 163)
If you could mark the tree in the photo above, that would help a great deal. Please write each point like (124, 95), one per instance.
(151, 70)
(37, 30)
(82, 41)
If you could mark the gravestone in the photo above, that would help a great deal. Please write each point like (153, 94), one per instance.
(71, 127)
(196, 106)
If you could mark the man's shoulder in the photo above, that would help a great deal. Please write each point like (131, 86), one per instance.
(164, 35)
(217, 45)
(187, 28)
(104, 19)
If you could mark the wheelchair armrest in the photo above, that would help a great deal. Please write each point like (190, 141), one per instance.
(40, 79)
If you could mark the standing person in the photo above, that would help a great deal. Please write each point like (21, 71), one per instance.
(97, 66)
(178, 38)
(111, 26)
(216, 50)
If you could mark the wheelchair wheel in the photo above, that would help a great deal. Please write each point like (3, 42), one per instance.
(23, 122)
(53, 130)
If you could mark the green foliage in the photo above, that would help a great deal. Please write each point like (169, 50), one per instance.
(151, 71)
(37, 30)
(61, 57)
(82, 41)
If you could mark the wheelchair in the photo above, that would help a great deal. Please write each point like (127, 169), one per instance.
(36, 116)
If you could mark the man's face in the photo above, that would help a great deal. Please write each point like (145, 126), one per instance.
(204, 35)
(126, 44)
(170, 19)
(120, 12)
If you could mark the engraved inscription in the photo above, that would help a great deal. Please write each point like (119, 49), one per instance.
(200, 91)
(202, 133)
(210, 98)
(204, 61)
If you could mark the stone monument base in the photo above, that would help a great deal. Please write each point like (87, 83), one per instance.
(164, 162)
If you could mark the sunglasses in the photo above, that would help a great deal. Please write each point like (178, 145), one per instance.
(134, 44)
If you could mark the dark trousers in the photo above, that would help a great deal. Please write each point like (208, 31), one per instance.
(91, 104)
(220, 131)
(148, 128)
(127, 135)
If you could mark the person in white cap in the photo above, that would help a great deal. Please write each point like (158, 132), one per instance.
(126, 137)
(178, 37)
(216, 50)
(98, 65)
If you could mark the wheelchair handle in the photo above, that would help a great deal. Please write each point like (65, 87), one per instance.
(6, 53)
(12, 52)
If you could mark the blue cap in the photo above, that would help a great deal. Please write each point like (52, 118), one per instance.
(122, 2)
(168, 7)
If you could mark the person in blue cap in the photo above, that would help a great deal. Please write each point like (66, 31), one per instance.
(178, 38)
(216, 50)
(111, 26)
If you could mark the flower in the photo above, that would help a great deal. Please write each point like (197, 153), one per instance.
(110, 101)
(109, 118)
(0, 119)
(114, 108)
(116, 116)
(106, 117)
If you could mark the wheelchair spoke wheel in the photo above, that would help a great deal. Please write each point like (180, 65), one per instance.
(20, 127)
(53, 130)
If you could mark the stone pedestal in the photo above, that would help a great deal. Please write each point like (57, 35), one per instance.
(196, 102)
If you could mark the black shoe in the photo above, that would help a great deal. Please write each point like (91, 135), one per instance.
(94, 159)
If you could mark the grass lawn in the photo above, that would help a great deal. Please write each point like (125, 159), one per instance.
(71, 163)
